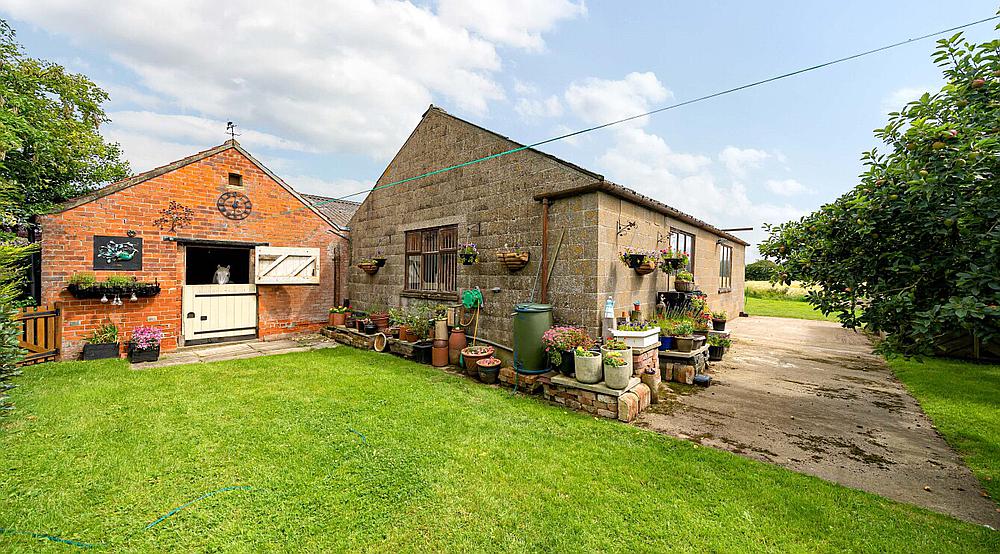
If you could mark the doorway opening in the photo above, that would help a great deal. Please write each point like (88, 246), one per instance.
(204, 262)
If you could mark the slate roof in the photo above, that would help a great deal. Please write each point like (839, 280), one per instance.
(339, 211)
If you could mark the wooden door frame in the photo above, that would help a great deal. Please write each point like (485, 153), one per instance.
(251, 250)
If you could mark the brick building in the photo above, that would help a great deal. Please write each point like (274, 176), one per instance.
(286, 254)
(502, 202)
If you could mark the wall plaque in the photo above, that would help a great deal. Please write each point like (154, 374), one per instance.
(117, 253)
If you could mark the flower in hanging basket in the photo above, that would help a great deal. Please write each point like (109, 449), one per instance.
(468, 252)
(146, 337)
(671, 260)
(636, 259)
(685, 276)
(369, 266)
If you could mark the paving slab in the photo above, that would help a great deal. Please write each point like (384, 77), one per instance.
(810, 396)
(238, 351)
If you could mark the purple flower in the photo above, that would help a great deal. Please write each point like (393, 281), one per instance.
(146, 337)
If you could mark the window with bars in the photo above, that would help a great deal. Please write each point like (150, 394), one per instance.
(726, 268)
(683, 242)
(431, 260)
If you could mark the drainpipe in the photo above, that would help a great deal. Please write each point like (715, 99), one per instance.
(545, 251)
(336, 276)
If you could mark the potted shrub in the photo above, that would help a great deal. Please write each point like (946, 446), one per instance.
(560, 341)
(618, 346)
(472, 354)
(683, 334)
(144, 346)
(667, 334)
(684, 281)
(717, 346)
(338, 316)
(617, 372)
(719, 320)
(468, 253)
(588, 366)
(102, 343)
(489, 369)
(637, 335)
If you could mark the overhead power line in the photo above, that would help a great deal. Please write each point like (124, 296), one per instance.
(663, 109)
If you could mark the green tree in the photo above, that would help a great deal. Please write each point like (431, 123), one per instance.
(13, 253)
(914, 250)
(761, 270)
(50, 147)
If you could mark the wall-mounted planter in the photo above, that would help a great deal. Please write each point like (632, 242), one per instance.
(672, 264)
(380, 262)
(371, 268)
(97, 290)
(646, 267)
(515, 261)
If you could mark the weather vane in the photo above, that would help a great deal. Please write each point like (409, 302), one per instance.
(231, 129)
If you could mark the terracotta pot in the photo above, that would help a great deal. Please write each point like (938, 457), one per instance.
(470, 360)
(381, 321)
(456, 342)
(405, 334)
(338, 319)
(439, 355)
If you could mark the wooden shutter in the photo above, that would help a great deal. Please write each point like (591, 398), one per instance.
(276, 265)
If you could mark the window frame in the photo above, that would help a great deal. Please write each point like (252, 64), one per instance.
(431, 244)
(690, 239)
(239, 180)
(725, 268)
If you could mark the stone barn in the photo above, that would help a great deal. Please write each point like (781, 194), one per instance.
(209, 248)
(507, 202)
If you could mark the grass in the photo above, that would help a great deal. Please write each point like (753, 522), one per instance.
(963, 400)
(766, 289)
(95, 451)
(796, 309)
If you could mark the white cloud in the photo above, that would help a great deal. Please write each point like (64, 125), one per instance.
(347, 76)
(900, 97)
(524, 88)
(739, 160)
(196, 130)
(786, 187)
(600, 100)
(518, 23)
(333, 189)
(536, 109)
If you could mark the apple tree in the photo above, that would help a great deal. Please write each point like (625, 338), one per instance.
(913, 251)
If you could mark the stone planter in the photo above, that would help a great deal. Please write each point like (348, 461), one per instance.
(684, 344)
(617, 377)
(471, 358)
(638, 339)
(589, 369)
(626, 355)
(699, 341)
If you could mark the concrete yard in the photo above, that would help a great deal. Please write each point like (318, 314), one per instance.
(810, 396)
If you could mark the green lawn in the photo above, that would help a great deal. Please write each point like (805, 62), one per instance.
(95, 451)
(963, 400)
(776, 307)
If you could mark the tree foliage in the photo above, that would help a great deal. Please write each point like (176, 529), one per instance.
(50, 147)
(761, 270)
(914, 250)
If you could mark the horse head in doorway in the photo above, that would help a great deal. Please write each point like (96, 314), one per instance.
(221, 275)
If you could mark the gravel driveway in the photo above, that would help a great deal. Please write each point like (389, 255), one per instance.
(809, 396)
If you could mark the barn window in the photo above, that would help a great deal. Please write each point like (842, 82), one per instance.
(431, 260)
(683, 242)
(726, 268)
(235, 180)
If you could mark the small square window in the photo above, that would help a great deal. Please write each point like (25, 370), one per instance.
(235, 180)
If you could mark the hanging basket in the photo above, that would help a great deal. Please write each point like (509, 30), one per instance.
(371, 268)
(515, 261)
(469, 259)
(672, 264)
(380, 262)
(645, 268)
(634, 260)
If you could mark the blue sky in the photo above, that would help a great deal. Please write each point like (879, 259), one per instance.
(325, 93)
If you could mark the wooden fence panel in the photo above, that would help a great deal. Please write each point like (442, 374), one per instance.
(41, 333)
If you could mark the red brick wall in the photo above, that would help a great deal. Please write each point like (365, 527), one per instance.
(67, 248)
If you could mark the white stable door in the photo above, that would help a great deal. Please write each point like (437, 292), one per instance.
(219, 311)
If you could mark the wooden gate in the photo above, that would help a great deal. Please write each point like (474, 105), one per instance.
(41, 333)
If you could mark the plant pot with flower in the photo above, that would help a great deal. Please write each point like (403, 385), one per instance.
(717, 346)
(102, 343)
(369, 266)
(144, 345)
(338, 316)
(560, 341)
(489, 369)
(683, 333)
(468, 253)
(637, 335)
(472, 354)
(618, 346)
(684, 281)
(617, 372)
(588, 366)
(642, 262)
(719, 320)
(667, 335)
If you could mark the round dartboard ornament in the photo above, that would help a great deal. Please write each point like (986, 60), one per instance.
(234, 205)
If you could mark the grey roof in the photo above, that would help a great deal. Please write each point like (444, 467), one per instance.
(340, 211)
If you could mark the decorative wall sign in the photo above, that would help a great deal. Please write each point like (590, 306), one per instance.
(117, 253)
(234, 205)
(175, 216)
